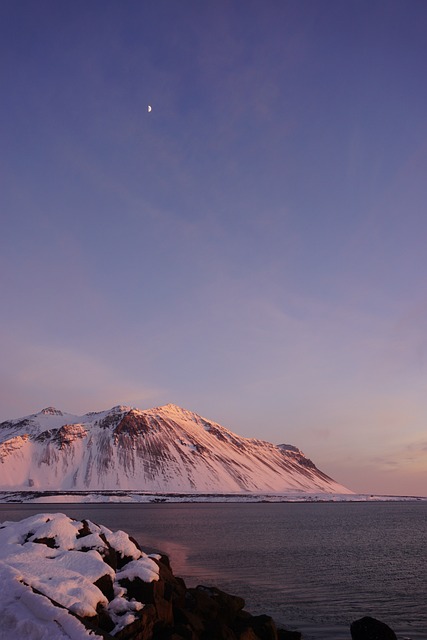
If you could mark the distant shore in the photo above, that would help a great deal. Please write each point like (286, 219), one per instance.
(141, 497)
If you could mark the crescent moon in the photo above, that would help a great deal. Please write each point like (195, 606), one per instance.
(149, 108)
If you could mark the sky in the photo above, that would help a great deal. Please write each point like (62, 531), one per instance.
(253, 249)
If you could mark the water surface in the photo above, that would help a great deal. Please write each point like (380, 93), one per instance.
(314, 567)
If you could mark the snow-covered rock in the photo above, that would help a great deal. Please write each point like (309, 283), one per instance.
(59, 577)
(68, 579)
(166, 449)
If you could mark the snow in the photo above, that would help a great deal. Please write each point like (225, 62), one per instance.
(92, 541)
(63, 566)
(25, 614)
(62, 529)
(53, 420)
(120, 541)
(135, 569)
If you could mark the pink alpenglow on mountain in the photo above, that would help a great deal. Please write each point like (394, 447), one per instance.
(166, 449)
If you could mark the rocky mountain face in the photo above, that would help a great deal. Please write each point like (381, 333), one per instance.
(166, 449)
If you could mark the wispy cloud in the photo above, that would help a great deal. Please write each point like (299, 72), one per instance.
(34, 376)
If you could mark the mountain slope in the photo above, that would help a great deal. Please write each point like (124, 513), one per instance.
(166, 449)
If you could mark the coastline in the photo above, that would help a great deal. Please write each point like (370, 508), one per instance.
(141, 497)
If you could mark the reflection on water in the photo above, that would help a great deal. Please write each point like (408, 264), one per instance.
(315, 567)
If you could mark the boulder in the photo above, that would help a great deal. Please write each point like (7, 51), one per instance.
(368, 628)
(256, 627)
(285, 634)
(216, 603)
(140, 629)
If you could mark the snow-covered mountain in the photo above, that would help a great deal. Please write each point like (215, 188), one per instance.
(166, 449)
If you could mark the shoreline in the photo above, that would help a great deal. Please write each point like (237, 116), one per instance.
(141, 497)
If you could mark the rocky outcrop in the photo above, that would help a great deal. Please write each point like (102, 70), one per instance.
(105, 581)
(171, 611)
(368, 628)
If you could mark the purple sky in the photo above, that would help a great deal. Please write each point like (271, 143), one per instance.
(254, 249)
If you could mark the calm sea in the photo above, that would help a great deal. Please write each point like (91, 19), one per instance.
(313, 567)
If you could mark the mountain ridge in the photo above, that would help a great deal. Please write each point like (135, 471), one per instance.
(167, 448)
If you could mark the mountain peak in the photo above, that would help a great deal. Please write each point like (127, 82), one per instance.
(120, 408)
(171, 409)
(174, 407)
(50, 411)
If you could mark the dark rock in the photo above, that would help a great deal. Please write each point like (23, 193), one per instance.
(104, 621)
(166, 632)
(179, 592)
(247, 634)
(91, 622)
(243, 615)
(105, 584)
(212, 604)
(285, 634)
(210, 612)
(178, 636)
(164, 560)
(109, 555)
(162, 593)
(176, 586)
(184, 631)
(158, 593)
(178, 632)
(183, 617)
(256, 627)
(84, 531)
(371, 629)
(229, 605)
(218, 630)
(122, 560)
(49, 542)
(138, 589)
(200, 602)
(141, 629)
